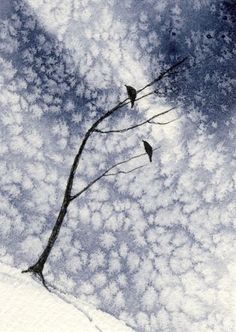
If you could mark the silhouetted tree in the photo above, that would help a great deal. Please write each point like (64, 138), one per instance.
(38, 267)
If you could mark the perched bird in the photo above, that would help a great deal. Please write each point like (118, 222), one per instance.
(148, 149)
(132, 93)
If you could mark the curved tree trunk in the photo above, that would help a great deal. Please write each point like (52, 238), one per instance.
(37, 268)
(39, 265)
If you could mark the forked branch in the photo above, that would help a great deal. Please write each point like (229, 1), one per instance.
(164, 74)
(126, 172)
(106, 173)
(105, 116)
(150, 120)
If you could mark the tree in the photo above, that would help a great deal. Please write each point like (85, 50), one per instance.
(38, 267)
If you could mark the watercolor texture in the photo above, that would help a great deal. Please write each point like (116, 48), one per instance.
(118, 165)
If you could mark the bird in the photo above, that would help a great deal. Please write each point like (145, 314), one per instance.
(149, 150)
(132, 93)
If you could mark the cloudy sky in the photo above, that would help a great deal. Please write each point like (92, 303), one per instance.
(155, 247)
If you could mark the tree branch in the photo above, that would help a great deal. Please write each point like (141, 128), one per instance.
(125, 172)
(105, 173)
(163, 123)
(164, 74)
(67, 195)
(139, 124)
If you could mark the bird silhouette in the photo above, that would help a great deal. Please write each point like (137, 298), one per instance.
(148, 149)
(132, 93)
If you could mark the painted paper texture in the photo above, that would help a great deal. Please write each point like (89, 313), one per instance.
(117, 166)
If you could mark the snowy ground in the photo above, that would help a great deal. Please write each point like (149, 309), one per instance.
(25, 306)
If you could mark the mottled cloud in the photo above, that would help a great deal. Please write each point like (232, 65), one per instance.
(154, 247)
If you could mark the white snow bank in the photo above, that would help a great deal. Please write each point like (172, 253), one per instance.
(25, 306)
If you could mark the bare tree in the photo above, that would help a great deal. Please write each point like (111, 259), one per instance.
(38, 267)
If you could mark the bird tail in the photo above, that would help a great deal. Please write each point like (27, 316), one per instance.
(132, 104)
(150, 159)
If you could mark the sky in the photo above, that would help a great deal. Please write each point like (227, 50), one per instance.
(155, 247)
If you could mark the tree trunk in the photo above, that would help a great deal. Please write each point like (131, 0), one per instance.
(39, 265)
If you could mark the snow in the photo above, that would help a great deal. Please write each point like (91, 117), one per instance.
(25, 306)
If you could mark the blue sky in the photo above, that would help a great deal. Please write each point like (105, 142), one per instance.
(154, 247)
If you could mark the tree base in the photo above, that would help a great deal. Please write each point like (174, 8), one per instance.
(37, 271)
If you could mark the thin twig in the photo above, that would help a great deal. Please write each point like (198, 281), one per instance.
(164, 74)
(125, 172)
(106, 172)
(163, 123)
(137, 125)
